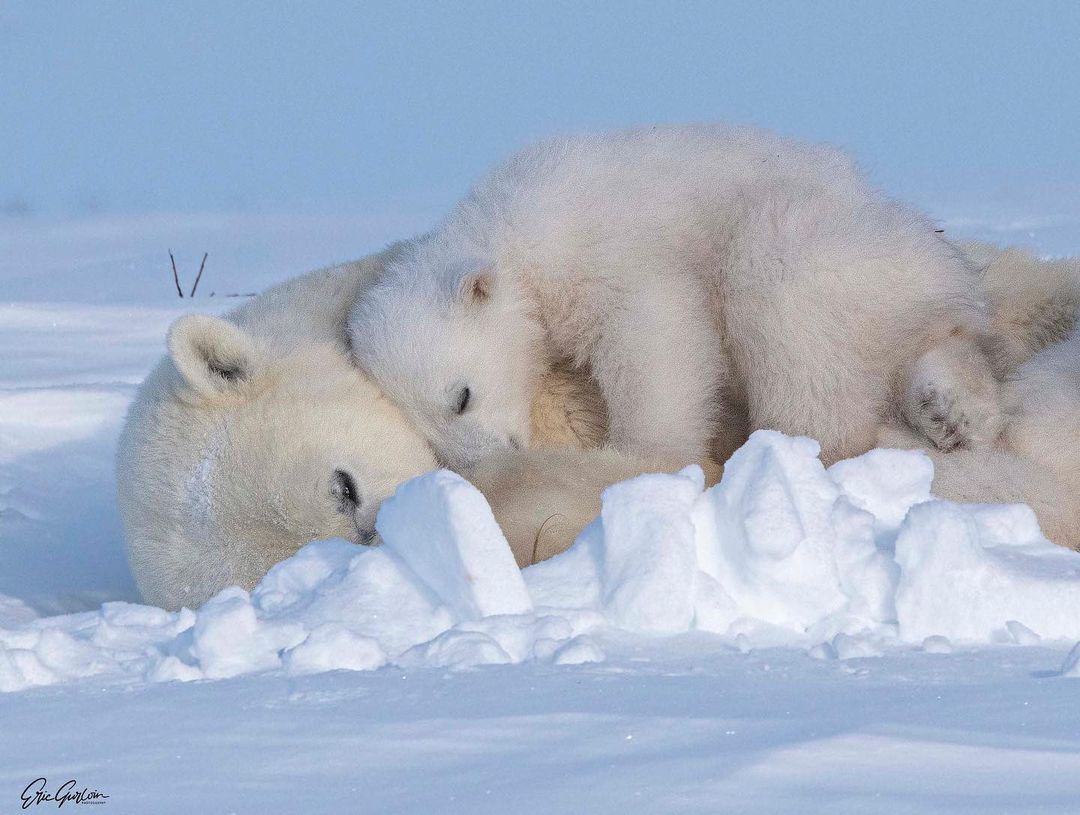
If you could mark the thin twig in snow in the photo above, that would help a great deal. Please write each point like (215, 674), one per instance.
(198, 277)
(175, 276)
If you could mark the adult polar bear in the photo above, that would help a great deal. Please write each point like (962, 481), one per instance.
(256, 435)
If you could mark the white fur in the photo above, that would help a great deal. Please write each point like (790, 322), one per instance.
(1035, 305)
(1033, 301)
(227, 459)
(220, 479)
(697, 272)
(1037, 461)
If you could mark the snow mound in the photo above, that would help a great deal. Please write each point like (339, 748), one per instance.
(841, 562)
(463, 557)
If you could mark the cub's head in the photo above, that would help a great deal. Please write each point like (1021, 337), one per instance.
(233, 457)
(454, 346)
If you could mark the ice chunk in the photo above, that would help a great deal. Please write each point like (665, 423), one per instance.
(20, 668)
(172, 669)
(714, 609)
(441, 526)
(766, 534)
(127, 626)
(517, 634)
(368, 591)
(847, 646)
(886, 483)
(961, 580)
(777, 494)
(823, 651)
(307, 570)
(867, 575)
(229, 639)
(331, 647)
(572, 579)
(649, 558)
(66, 656)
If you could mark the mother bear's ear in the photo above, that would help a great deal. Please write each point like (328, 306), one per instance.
(213, 356)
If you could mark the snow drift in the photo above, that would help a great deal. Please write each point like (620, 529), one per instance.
(841, 562)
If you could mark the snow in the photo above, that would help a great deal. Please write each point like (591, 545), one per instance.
(795, 638)
(647, 560)
(968, 573)
(463, 556)
(777, 553)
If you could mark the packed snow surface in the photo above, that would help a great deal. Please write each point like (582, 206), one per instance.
(849, 561)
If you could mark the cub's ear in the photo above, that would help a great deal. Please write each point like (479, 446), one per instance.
(213, 355)
(476, 286)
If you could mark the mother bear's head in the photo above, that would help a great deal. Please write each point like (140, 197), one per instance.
(255, 435)
(235, 455)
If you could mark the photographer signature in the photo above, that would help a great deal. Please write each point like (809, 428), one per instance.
(36, 792)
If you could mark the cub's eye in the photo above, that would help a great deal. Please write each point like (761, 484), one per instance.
(463, 400)
(343, 489)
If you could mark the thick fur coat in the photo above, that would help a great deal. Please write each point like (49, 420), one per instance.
(256, 434)
(235, 447)
(702, 275)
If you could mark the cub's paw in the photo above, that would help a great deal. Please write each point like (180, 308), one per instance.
(953, 397)
(942, 420)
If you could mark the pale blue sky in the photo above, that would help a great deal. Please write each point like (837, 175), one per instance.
(363, 107)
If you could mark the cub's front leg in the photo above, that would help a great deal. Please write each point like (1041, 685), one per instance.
(659, 365)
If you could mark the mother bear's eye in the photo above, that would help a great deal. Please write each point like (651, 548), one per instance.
(464, 395)
(343, 489)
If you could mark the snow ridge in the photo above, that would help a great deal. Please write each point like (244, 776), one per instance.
(843, 562)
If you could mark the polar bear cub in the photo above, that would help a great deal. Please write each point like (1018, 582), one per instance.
(698, 273)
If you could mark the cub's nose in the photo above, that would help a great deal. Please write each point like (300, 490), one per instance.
(368, 537)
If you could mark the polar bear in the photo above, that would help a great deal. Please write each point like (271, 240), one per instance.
(698, 272)
(256, 435)
(213, 486)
